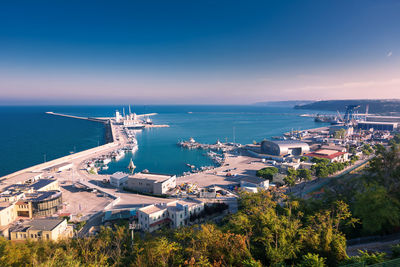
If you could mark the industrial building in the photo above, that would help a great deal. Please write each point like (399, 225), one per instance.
(380, 126)
(173, 214)
(153, 183)
(287, 147)
(332, 155)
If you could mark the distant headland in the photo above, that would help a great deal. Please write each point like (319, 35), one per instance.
(376, 106)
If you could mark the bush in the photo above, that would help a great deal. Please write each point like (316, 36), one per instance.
(396, 251)
(367, 258)
(267, 173)
(312, 260)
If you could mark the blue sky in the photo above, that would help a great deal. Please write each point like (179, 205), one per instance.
(226, 52)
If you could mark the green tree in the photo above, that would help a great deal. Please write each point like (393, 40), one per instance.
(304, 159)
(304, 174)
(323, 236)
(267, 173)
(376, 209)
(340, 134)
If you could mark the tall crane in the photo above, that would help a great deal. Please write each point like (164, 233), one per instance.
(349, 115)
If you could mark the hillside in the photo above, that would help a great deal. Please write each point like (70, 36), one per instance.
(376, 106)
(288, 103)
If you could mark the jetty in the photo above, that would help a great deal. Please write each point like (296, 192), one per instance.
(103, 120)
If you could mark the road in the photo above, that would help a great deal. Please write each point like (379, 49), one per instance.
(315, 185)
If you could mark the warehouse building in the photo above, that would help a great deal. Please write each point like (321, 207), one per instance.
(286, 147)
(153, 183)
(332, 155)
(380, 126)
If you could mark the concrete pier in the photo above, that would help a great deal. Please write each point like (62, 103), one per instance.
(103, 120)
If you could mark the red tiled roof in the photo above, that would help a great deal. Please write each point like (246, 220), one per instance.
(317, 155)
(160, 222)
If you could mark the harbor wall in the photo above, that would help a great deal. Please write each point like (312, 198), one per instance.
(85, 153)
(109, 133)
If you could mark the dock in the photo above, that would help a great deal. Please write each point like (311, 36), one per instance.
(102, 120)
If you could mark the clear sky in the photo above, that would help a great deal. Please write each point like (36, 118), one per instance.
(197, 52)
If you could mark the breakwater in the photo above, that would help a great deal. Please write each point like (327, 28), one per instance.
(102, 120)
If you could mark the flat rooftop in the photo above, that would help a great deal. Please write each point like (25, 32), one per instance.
(42, 183)
(378, 123)
(119, 175)
(20, 178)
(41, 195)
(326, 152)
(152, 208)
(151, 176)
(319, 155)
(188, 202)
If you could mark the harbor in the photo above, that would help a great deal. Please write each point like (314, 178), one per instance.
(91, 174)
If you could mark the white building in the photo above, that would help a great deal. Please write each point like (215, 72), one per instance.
(119, 179)
(251, 184)
(151, 183)
(118, 117)
(173, 214)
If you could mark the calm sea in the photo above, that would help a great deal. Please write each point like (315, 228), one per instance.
(29, 136)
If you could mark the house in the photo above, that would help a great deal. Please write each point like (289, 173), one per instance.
(153, 183)
(332, 155)
(119, 179)
(41, 229)
(173, 214)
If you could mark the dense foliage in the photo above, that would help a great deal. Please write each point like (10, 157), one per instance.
(263, 232)
(267, 173)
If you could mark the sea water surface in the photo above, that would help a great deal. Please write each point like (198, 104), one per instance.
(29, 136)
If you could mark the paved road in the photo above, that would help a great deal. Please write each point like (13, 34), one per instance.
(95, 220)
(318, 184)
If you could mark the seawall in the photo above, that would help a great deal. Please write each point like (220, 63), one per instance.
(110, 143)
(51, 163)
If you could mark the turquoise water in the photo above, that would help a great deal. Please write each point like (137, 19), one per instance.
(158, 152)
